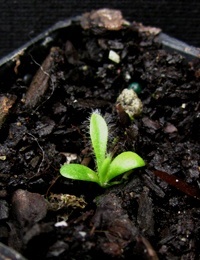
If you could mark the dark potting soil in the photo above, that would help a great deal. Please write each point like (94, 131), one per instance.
(45, 105)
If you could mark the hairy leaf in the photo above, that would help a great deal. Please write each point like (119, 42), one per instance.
(78, 172)
(99, 137)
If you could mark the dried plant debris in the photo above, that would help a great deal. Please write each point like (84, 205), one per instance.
(105, 19)
(6, 103)
(60, 201)
(45, 103)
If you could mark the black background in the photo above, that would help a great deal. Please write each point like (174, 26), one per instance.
(22, 20)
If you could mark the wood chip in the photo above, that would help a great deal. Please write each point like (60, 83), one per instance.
(40, 82)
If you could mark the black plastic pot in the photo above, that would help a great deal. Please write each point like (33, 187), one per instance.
(39, 47)
(49, 37)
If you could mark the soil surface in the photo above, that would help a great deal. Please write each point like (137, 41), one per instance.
(46, 99)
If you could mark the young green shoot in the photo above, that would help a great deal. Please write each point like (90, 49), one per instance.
(107, 167)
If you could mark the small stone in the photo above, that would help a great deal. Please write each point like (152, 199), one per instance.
(57, 249)
(61, 224)
(28, 208)
(130, 102)
(82, 233)
(127, 76)
(113, 56)
(154, 125)
(136, 87)
(103, 18)
(169, 129)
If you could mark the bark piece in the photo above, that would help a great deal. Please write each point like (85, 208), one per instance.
(145, 217)
(6, 102)
(40, 82)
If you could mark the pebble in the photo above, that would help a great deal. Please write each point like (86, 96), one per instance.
(136, 87)
(130, 102)
(28, 208)
(113, 56)
(103, 18)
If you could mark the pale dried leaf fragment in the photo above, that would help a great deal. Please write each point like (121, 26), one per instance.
(60, 201)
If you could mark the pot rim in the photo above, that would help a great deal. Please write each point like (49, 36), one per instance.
(169, 43)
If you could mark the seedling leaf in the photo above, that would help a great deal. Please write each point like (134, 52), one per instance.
(107, 167)
(124, 162)
(99, 138)
(104, 169)
(78, 172)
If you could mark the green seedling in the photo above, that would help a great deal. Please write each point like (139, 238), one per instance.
(107, 167)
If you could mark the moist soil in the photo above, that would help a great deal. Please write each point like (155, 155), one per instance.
(47, 97)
